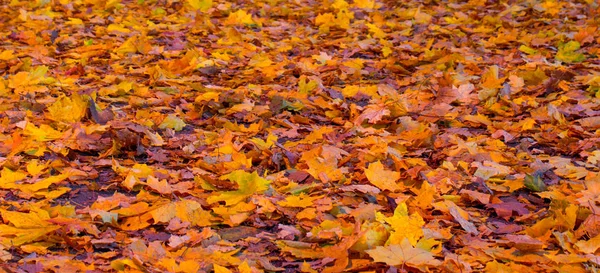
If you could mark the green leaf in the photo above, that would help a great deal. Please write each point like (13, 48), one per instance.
(566, 53)
(535, 182)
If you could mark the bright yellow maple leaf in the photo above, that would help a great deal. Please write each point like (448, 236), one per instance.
(43, 133)
(8, 178)
(248, 184)
(381, 178)
(239, 17)
(260, 61)
(298, 201)
(25, 227)
(35, 168)
(202, 5)
(403, 225)
(68, 109)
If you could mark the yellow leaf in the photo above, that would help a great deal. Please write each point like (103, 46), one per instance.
(34, 168)
(248, 184)
(172, 122)
(43, 133)
(120, 264)
(155, 139)
(130, 181)
(117, 28)
(141, 170)
(26, 220)
(12, 236)
(260, 61)
(191, 211)
(9, 177)
(298, 201)
(364, 4)
(7, 55)
(202, 5)
(236, 214)
(527, 124)
(221, 269)
(74, 22)
(376, 31)
(164, 214)
(381, 178)
(44, 183)
(67, 109)
(263, 145)
(374, 235)
(239, 17)
(307, 213)
(207, 96)
(403, 226)
(244, 267)
(26, 227)
(324, 21)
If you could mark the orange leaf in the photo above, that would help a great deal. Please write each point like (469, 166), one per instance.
(383, 179)
(401, 254)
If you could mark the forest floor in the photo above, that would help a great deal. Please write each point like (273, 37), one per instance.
(299, 136)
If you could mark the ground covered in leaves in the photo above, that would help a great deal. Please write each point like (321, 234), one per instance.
(299, 136)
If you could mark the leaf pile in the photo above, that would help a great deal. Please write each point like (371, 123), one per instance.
(299, 136)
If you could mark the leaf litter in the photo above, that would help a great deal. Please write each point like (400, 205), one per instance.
(299, 136)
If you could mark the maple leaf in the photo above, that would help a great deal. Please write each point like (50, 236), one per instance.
(373, 113)
(239, 17)
(172, 122)
(26, 227)
(403, 226)
(374, 235)
(566, 52)
(248, 184)
(383, 179)
(300, 201)
(403, 253)
(68, 109)
(202, 5)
